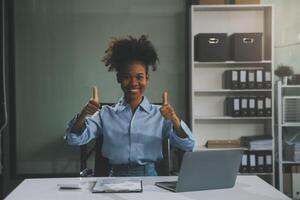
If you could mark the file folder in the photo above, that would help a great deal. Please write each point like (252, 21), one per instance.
(267, 80)
(268, 166)
(232, 107)
(260, 161)
(243, 79)
(231, 79)
(252, 162)
(260, 106)
(252, 106)
(244, 163)
(259, 79)
(268, 106)
(244, 106)
(251, 79)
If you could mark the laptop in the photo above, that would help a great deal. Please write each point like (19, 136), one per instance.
(207, 169)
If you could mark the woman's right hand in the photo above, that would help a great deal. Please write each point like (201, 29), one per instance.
(89, 109)
(93, 105)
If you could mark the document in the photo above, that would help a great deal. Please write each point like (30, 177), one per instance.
(121, 184)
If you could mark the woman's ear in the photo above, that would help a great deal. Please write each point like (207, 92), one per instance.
(118, 77)
(147, 76)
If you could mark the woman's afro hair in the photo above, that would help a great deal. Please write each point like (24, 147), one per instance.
(123, 51)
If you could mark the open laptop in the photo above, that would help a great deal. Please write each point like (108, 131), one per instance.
(208, 169)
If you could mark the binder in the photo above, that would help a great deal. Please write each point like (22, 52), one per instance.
(252, 106)
(232, 106)
(268, 162)
(231, 79)
(244, 163)
(260, 161)
(260, 106)
(244, 106)
(252, 162)
(251, 79)
(268, 106)
(259, 79)
(267, 80)
(243, 79)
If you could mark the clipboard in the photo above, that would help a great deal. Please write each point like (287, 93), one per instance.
(118, 185)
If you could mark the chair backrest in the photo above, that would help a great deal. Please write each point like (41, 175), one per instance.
(101, 163)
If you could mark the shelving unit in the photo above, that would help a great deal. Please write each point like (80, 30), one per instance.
(283, 91)
(207, 95)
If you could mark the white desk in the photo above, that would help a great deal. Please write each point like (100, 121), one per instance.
(246, 187)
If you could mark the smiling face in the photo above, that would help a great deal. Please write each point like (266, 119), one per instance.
(134, 81)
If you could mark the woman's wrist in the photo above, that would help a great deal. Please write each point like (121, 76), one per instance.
(176, 121)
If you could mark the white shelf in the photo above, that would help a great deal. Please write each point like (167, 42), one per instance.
(291, 125)
(232, 62)
(281, 96)
(231, 7)
(290, 86)
(207, 96)
(290, 162)
(230, 90)
(229, 118)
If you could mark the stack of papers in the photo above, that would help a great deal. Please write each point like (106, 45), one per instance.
(111, 185)
(260, 142)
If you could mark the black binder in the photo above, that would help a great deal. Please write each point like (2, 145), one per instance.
(252, 161)
(268, 162)
(268, 106)
(232, 106)
(260, 161)
(260, 106)
(252, 106)
(267, 80)
(231, 79)
(244, 163)
(251, 79)
(243, 79)
(244, 106)
(259, 79)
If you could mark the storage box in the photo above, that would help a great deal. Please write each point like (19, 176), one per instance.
(291, 110)
(246, 46)
(210, 47)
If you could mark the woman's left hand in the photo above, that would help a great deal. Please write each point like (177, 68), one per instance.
(168, 112)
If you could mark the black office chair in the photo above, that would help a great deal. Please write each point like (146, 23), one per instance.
(101, 165)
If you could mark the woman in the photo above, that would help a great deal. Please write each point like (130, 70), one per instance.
(132, 129)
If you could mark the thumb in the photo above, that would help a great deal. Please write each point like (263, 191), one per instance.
(95, 93)
(165, 98)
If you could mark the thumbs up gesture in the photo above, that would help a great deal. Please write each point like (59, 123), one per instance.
(168, 112)
(93, 105)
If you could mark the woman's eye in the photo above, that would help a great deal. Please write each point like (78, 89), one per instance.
(139, 77)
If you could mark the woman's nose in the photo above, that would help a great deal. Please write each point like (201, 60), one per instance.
(133, 81)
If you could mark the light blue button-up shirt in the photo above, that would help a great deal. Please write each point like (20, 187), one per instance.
(130, 137)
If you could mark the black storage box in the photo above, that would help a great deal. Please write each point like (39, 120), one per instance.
(210, 47)
(246, 46)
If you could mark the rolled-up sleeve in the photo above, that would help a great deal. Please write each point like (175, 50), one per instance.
(185, 144)
(91, 129)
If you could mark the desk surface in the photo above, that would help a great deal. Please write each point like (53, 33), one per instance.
(246, 187)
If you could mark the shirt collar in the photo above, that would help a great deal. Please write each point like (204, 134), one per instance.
(122, 104)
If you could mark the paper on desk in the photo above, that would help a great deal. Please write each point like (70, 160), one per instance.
(118, 185)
